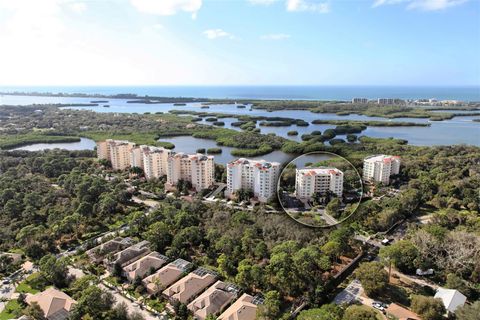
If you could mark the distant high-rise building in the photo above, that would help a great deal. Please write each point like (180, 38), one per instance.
(198, 169)
(258, 176)
(118, 152)
(155, 161)
(379, 168)
(390, 101)
(310, 181)
(360, 100)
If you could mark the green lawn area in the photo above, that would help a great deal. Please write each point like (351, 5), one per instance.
(33, 284)
(12, 310)
(156, 304)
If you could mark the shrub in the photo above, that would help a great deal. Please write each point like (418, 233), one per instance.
(214, 150)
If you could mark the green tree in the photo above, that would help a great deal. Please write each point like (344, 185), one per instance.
(95, 302)
(373, 277)
(120, 312)
(34, 312)
(468, 311)
(359, 313)
(403, 254)
(244, 273)
(333, 207)
(54, 270)
(325, 312)
(270, 309)
(136, 316)
(80, 284)
(428, 308)
(225, 265)
(455, 282)
(159, 235)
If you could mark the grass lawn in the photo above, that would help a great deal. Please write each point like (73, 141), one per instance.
(156, 304)
(11, 311)
(32, 284)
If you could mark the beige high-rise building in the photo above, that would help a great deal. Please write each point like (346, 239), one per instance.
(379, 168)
(259, 176)
(117, 152)
(103, 150)
(136, 156)
(310, 181)
(155, 161)
(199, 169)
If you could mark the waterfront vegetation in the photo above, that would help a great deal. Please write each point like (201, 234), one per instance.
(15, 141)
(214, 150)
(371, 123)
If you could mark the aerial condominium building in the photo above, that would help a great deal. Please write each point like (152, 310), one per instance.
(118, 152)
(103, 150)
(258, 176)
(310, 181)
(390, 101)
(155, 161)
(136, 156)
(198, 169)
(359, 100)
(379, 168)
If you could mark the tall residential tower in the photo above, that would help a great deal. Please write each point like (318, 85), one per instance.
(310, 181)
(258, 176)
(379, 168)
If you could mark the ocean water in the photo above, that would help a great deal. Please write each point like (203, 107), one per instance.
(459, 130)
(465, 93)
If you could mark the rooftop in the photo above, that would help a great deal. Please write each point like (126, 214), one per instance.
(214, 299)
(245, 308)
(258, 163)
(192, 284)
(401, 313)
(380, 158)
(452, 299)
(54, 303)
(319, 171)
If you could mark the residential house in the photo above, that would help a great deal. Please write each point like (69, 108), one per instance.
(98, 253)
(128, 255)
(55, 304)
(142, 267)
(166, 276)
(401, 313)
(213, 300)
(245, 308)
(188, 287)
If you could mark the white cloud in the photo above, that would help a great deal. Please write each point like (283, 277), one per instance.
(217, 33)
(425, 5)
(167, 7)
(307, 5)
(262, 2)
(275, 36)
(78, 7)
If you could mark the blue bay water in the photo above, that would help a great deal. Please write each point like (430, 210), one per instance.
(459, 130)
(466, 93)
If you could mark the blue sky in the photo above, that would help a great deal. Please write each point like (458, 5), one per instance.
(257, 42)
